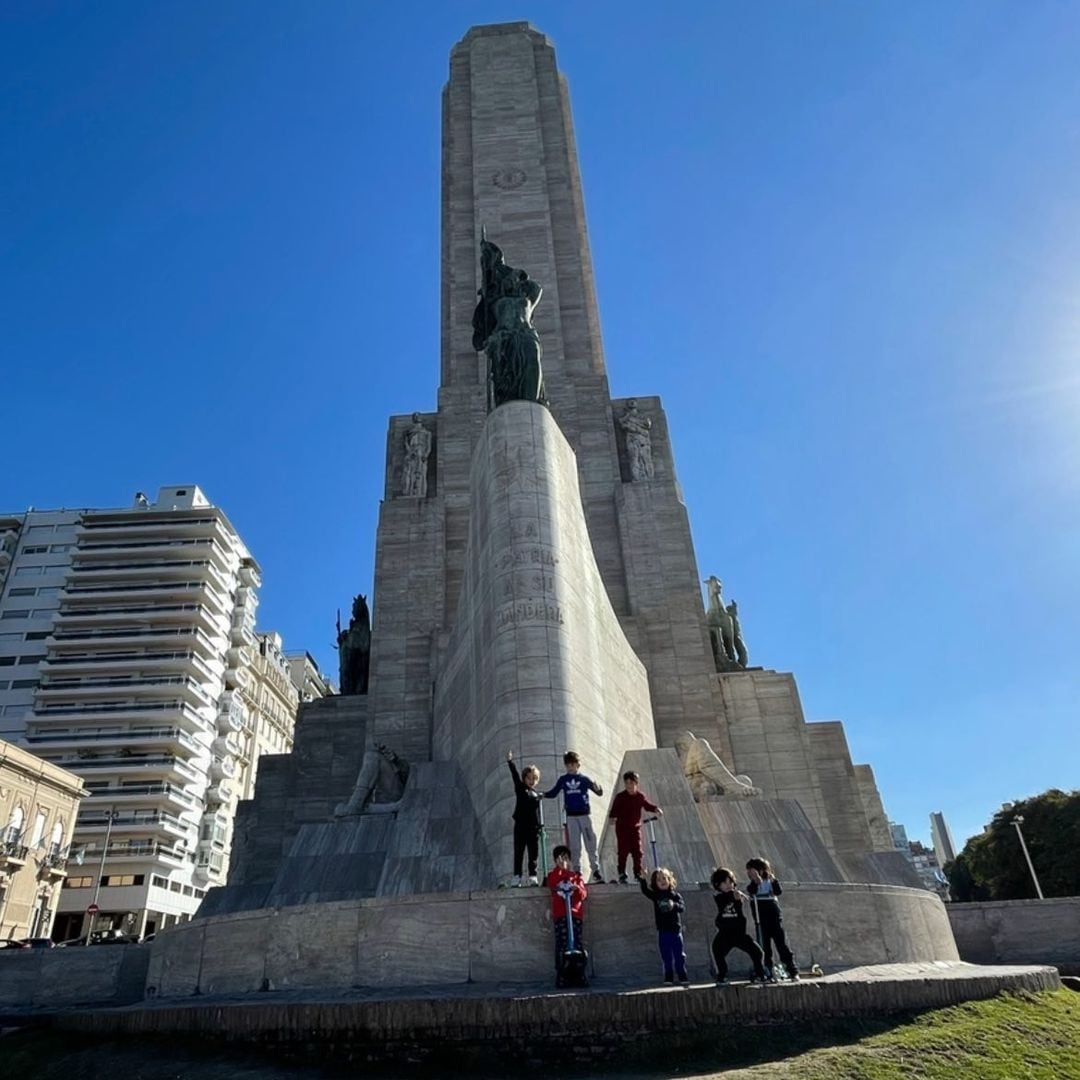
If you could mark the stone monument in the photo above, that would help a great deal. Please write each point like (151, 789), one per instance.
(536, 584)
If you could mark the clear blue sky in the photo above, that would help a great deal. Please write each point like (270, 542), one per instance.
(840, 239)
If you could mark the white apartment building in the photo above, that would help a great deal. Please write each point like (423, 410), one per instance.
(128, 655)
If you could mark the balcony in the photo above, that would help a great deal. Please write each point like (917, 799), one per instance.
(151, 525)
(219, 793)
(53, 864)
(65, 667)
(73, 688)
(237, 676)
(13, 854)
(75, 617)
(170, 737)
(144, 850)
(90, 638)
(227, 745)
(91, 821)
(161, 765)
(143, 793)
(223, 769)
(179, 712)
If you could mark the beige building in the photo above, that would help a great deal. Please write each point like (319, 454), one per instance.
(271, 699)
(307, 677)
(38, 805)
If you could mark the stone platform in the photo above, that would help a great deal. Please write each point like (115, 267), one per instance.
(505, 936)
(402, 1025)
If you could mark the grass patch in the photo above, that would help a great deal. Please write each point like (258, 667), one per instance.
(1022, 1036)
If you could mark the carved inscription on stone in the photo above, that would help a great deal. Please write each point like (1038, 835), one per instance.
(525, 611)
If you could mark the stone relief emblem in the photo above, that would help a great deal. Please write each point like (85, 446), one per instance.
(417, 450)
(638, 432)
(508, 179)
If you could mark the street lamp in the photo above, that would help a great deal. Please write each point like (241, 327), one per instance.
(1018, 821)
(110, 817)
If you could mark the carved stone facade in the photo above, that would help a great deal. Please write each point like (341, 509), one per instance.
(38, 806)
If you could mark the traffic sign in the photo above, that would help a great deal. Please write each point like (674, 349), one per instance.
(93, 909)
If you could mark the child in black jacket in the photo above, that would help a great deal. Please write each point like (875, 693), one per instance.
(668, 907)
(731, 926)
(765, 890)
(527, 820)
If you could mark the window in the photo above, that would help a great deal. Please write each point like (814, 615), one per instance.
(49, 590)
(22, 592)
(123, 879)
(17, 613)
(57, 549)
(15, 823)
(7, 661)
(39, 828)
(29, 571)
(39, 530)
(160, 882)
(23, 684)
(175, 886)
(33, 659)
(40, 613)
(37, 549)
(4, 684)
(57, 837)
(200, 893)
(78, 883)
(11, 637)
(38, 635)
(188, 890)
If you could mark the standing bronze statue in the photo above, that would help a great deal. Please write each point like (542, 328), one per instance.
(503, 329)
(742, 658)
(354, 649)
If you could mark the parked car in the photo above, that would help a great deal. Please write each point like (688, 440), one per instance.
(11, 943)
(39, 943)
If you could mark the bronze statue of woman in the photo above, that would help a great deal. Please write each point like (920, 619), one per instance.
(503, 329)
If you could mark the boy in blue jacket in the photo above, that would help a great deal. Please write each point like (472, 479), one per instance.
(575, 787)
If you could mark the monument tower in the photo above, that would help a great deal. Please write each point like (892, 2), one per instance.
(536, 585)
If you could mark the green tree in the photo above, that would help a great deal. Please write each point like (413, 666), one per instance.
(992, 865)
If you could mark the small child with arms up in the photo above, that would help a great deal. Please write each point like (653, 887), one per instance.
(765, 891)
(731, 926)
(527, 810)
(562, 879)
(668, 908)
(626, 810)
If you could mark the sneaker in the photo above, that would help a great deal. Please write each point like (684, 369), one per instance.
(597, 878)
(684, 979)
(794, 976)
(669, 976)
(623, 879)
(516, 883)
(759, 980)
(534, 880)
(722, 982)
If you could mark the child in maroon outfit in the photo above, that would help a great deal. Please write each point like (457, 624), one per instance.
(626, 810)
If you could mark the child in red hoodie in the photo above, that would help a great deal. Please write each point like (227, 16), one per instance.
(564, 872)
(626, 810)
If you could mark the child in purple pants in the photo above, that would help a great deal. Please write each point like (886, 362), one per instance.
(668, 907)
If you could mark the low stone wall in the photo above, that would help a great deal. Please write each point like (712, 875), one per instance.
(1019, 931)
(505, 936)
(55, 978)
(535, 1028)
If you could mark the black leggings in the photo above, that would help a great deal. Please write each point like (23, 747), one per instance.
(526, 836)
(723, 944)
(772, 933)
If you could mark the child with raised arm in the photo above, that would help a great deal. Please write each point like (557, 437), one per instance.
(626, 810)
(731, 926)
(575, 787)
(668, 908)
(765, 890)
(526, 818)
